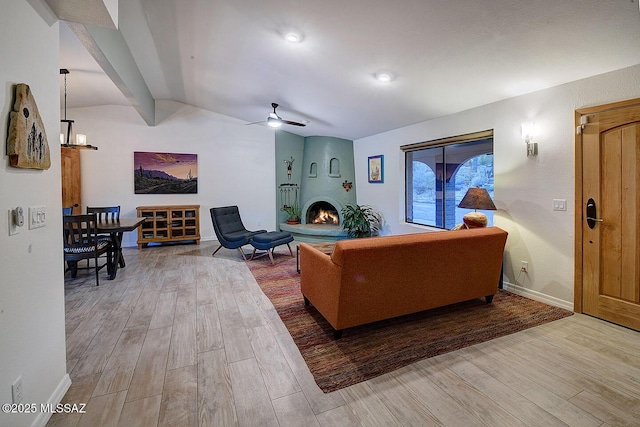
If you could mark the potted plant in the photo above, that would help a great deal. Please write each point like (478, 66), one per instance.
(294, 213)
(360, 220)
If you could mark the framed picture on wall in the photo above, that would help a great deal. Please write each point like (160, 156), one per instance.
(165, 173)
(376, 169)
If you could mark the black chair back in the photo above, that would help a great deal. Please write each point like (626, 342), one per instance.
(81, 241)
(80, 231)
(105, 213)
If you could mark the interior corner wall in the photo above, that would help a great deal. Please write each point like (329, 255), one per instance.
(32, 330)
(235, 162)
(288, 145)
(524, 186)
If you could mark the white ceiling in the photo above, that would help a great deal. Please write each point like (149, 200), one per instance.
(230, 57)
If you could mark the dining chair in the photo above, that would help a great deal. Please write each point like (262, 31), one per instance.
(104, 213)
(69, 210)
(108, 213)
(80, 238)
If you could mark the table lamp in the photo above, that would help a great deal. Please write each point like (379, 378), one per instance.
(476, 198)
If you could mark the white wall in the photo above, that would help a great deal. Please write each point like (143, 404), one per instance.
(235, 161)
(32, 331)
(524, 187)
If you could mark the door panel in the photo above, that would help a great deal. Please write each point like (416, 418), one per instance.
(610, 211)
(611, 172)
(591, 237)
(630, 224)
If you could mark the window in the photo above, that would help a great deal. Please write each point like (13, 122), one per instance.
(439, 173)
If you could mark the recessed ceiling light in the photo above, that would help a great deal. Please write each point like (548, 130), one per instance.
(384, 76)
(293, 37)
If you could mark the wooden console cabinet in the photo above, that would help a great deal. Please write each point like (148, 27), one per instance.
(171, 223)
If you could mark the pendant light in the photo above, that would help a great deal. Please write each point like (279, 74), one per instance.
(80, 140)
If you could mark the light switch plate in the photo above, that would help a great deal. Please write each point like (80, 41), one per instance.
(559, 204)
(37, 217)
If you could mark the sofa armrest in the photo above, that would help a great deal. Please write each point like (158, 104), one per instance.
(320, 282)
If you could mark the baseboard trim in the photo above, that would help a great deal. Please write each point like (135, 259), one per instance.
(517, 289)
(56, 397)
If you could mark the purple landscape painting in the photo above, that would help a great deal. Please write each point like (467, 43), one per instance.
(165, 173)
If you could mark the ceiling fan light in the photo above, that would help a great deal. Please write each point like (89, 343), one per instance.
(274, 123)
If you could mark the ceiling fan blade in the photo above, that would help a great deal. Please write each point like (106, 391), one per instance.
(274, 117)
(289, 122)
(255, 123)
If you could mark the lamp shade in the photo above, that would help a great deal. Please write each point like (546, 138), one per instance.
(477, 198)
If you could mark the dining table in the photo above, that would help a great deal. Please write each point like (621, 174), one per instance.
(116, 228)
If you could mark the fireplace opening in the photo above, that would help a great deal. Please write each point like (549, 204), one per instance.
(322, 213)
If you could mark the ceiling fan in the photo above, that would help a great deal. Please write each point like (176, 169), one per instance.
(275, 121)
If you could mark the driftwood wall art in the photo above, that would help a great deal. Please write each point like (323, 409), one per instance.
(27, 145)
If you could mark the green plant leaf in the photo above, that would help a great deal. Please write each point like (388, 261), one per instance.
(360, 220)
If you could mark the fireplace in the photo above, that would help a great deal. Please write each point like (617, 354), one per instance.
(322, 212)
(321, 219)
(324, 171)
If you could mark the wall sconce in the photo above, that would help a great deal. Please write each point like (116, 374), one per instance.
(527, 135)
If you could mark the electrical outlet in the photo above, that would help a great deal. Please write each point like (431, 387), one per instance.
(16, 390)
(524, 266)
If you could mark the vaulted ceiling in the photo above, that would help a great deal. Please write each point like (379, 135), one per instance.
(231, 57)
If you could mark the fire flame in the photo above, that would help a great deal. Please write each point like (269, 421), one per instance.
(326, 217)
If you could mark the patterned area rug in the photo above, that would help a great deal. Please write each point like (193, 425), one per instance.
(368, 351)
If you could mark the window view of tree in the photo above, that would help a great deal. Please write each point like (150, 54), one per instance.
(424, 193)
(437, 178)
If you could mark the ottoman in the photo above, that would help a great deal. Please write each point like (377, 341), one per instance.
(269, 241)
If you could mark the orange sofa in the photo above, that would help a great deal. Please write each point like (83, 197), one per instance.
(366, 280)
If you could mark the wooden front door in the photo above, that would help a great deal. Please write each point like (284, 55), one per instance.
(610, 228)
(71, 189)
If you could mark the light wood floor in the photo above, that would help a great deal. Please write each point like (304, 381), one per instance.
(184, 339)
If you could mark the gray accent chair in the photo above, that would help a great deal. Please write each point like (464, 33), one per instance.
(230, 230)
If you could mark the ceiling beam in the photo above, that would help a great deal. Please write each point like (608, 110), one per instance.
(103, 13)
(111, 52)
(95, 24)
